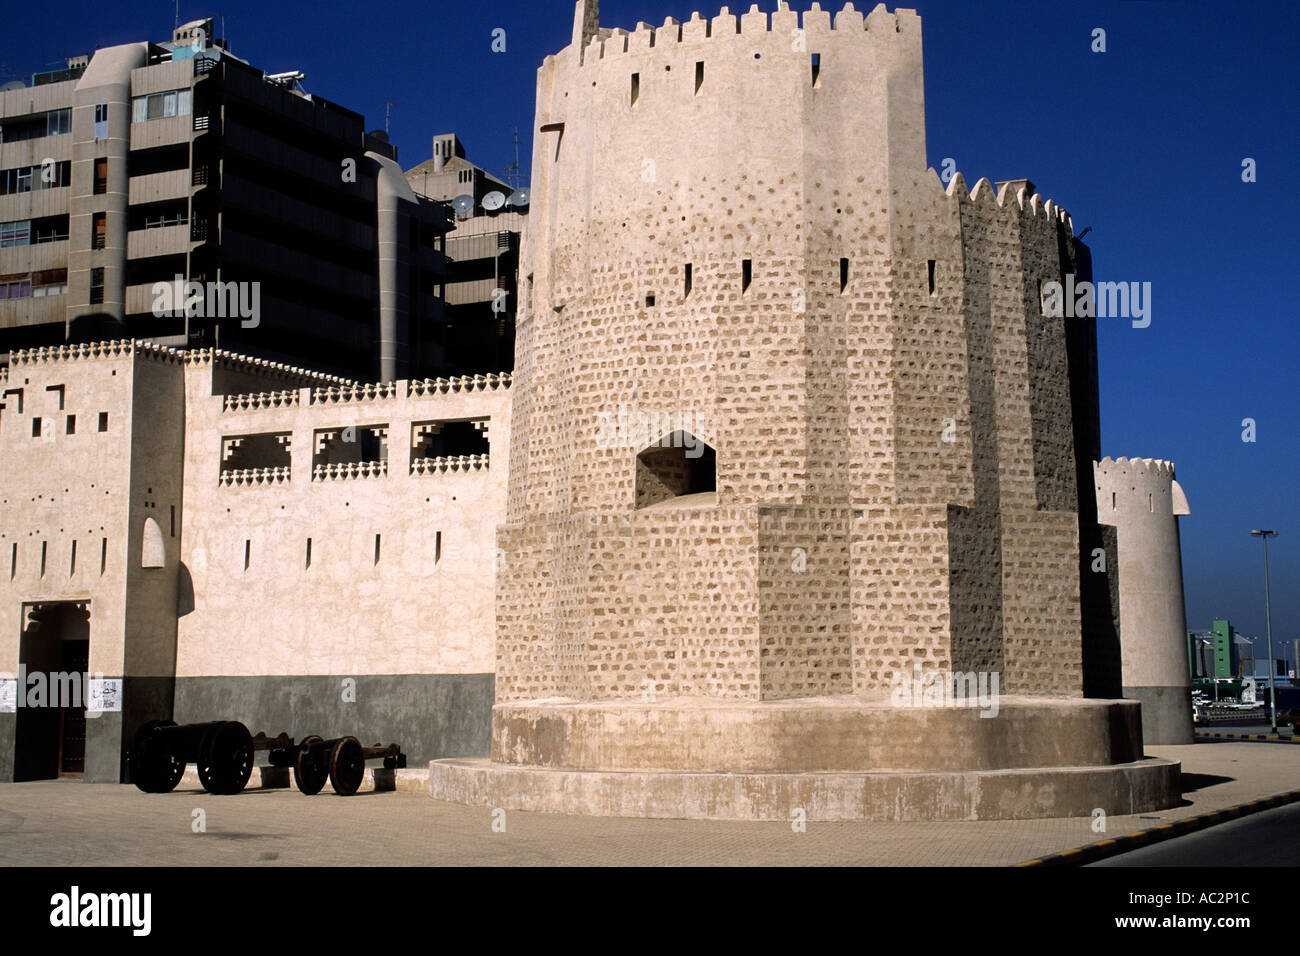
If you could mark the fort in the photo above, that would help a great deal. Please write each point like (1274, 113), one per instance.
(881, 464)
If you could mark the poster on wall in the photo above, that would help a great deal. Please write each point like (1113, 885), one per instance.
(105, 695)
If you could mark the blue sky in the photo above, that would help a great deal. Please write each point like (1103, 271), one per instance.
(1144, 143)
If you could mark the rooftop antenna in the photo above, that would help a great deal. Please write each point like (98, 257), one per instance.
(176, 21)
(388, 113)
(223, 28)
(512, 171)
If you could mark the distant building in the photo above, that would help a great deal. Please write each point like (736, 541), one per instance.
(483, 252)
(150, 161)
(1213, 653)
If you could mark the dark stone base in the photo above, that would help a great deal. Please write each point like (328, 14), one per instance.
(430, 715)
(1166, 714)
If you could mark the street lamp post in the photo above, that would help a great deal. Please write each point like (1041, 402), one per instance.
(1268, 624)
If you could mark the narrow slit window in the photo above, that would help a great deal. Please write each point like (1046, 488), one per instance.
(173, 513)
(844, 275)
(1113, 501)
(636, 88)
(699, 75)
(72, 561)
(376, 549)
(45, 548)
(307, 559)
(103, 555)
(816, 67)
(13, 561)
(248, 552)
(930, 271)
(437, 547)
(686, 281)
(746, 274)
(1151, 502)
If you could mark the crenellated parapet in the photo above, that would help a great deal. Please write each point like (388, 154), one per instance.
(286, 398)
(117, 348)
(1016, 195)
(817, 25)
(220, 358)
(1128, 487)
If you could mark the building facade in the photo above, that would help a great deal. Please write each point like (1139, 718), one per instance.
(147, 162)
(481, 296)
(220, 537)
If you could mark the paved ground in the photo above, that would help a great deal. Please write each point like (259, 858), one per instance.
(68, 823)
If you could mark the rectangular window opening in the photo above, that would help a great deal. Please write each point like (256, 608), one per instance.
(746, 274)
(307, 561)
(99, 230)
(636, 88)
(376, 549)
(816, 67)
(930, 270)
(699, 75)
(36, 428)
(13, 561)
(173, 509)
(70, 427)
(649, 300)
(248, 550)
(101, 176)
(103, 554)
(103, 421)
(72, 562)
(686, 282)
(844, 275)
(45, 547)
(437, 547)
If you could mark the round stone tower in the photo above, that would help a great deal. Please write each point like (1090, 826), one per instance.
(791, 438)
(1142, 500)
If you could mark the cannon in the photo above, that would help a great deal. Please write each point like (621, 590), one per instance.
(342, 761)
(222, 750)
(223, 753)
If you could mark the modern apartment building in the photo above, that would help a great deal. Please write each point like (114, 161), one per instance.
(478, 328)
(146, 162)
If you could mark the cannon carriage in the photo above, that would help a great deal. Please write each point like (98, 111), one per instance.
(223, 753)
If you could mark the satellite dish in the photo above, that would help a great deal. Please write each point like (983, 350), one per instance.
(518, 198)
(13, 85)
(463, 205)
(494, 201)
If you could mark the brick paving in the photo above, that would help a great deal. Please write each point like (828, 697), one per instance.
(70, 823)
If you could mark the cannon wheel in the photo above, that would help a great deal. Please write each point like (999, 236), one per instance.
(155, 768)
(311, 769)
(347, 766)
(226, 758)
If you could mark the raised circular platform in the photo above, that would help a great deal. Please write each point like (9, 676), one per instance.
(814, 734)
(833, 758)
(1138, 787)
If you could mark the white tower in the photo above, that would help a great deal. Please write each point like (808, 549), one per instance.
(1141, 499)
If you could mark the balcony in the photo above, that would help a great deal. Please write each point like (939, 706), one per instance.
(173, 184)
(163, 241)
